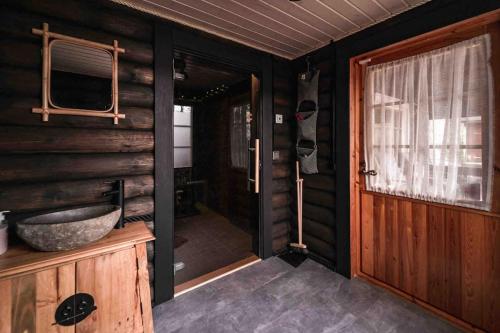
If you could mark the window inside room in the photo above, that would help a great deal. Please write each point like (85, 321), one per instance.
(239, 139)
(428, 125)
(183, 139)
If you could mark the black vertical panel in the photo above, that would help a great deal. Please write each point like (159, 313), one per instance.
(266, 223)
(164, 166)
(333, 75)
(430, 16)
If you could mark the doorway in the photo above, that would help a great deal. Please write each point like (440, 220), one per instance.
(424, 207)
(216, 169)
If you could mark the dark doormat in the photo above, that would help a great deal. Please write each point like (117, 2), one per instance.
(179, 241)
(293, 258)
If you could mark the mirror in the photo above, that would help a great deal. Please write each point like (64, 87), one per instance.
(80, 77)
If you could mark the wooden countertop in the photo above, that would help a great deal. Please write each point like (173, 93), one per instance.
(22, 259)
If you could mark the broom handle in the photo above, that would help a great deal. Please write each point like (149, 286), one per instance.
(299, 201)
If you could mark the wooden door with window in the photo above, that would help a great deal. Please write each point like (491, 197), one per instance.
(425, 184)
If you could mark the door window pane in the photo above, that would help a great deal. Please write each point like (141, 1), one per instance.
(428, 125)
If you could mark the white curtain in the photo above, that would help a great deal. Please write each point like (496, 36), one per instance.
(429, 125)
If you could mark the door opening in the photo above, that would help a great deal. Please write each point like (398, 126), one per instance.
(216, 169)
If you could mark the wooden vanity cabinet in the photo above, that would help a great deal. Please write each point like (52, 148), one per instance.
(112, 270)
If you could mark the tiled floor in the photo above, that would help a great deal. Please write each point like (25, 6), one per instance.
(212, 243)
(272, 296)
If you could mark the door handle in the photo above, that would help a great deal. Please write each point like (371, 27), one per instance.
(255, 179)
(365, 172)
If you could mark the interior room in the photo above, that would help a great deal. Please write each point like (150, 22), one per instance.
(249, 166)
(216, 213)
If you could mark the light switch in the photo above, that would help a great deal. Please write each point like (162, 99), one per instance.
(279, 119)
(276, 155)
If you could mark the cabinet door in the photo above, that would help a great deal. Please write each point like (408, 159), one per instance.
(28, 303)
(113, 282)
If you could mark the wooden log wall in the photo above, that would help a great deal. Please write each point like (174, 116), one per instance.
(319, 189)
(66, 161)
(284, 97)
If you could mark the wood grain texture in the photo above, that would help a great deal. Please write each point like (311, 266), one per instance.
(23, 310)
(112, 280)
(71, 140)
(367, 251)
(447, 258)
(52, 287)
(379, 235)
(39, 196)
(436, 261)
(143, 286)
(58, 167)
(282, 141)
(5, 306)
(491, 275)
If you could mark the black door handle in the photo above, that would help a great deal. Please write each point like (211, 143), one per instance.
(365, 172)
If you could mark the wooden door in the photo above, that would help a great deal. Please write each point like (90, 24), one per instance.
(112, 280)
(28, 303)
(446, 258)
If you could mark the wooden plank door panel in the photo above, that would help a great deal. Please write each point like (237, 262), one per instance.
(367, 234)
(491, 275)
(379, 238)
(23, 311)
(419, 243)
(392, 242)
(52, 287)
(28, 303)
(112, 280)
(473, 234)
(436, 260)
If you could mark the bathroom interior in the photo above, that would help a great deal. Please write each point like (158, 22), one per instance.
(249, 166)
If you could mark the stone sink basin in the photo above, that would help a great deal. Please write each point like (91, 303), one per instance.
(68, 229)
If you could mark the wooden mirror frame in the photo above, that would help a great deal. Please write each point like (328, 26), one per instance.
(47, 108)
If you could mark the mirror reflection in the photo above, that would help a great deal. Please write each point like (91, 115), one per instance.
(80, 77)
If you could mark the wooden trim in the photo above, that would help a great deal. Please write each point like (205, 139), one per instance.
(164, 166)
(432, 40)
(354, 165)
(212, 275)
(432, 309)
(435, 204)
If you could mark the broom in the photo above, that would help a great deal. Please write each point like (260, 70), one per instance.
(299, 247)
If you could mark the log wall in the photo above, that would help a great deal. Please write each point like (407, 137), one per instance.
(319, 189)
(283, 100)
(66, 161)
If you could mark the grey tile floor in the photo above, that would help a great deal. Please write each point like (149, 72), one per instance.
(272, 296)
